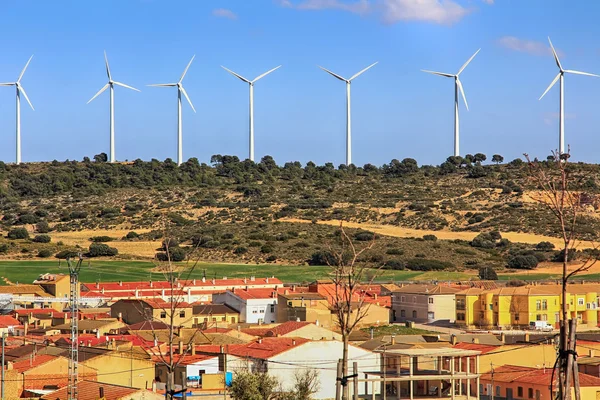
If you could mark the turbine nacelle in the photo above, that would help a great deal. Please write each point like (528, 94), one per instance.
(179, 84)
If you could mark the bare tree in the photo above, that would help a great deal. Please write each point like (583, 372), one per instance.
(347, 300)
(555, 182)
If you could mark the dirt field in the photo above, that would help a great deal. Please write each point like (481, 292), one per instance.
(145, 249)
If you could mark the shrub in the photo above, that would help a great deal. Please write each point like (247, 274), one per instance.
(544, 246)
(559, 256)
(42, 227)
(64, 254)
(515, 283)
(28, 219)
(132, 235)
(240, 250)
(3, 248)
(177, 254)
(254, 244)
(41, 213)
(322, 257)
(488, 274)
(101, 239)
(44, 253)
(271, 258)
(18, 233)
(42, 239)
(423, 264)
(394, 264)
(169, 243)
(432, 238)
(523, 262)
(364, 236)
(78, 214)
(109, 212)
(397, 252)
(102, 250)
(266, 248)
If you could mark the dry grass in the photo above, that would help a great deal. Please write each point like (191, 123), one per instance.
(145, 249)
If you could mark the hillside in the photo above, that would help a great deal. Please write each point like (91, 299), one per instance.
(240, 211)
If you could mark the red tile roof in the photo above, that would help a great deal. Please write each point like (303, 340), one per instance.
(262, 349)
(483, 348)
(7, 321)
(534, 376)
(281, 329)
(193, 283)
(25, 365)
(34, 311)
(257, 293)
(88, 390)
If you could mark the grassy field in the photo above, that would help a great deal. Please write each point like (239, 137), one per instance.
(104, 271)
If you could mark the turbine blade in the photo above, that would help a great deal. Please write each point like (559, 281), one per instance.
(438, 73)
(265, 74)
(186, 96)
(107, 67)
(126, 86)
(22, 90)
(364, 70)
(163, 84)
(7, 84)
(555, 55)
(99, 92)
(333, 74)
(234, 74)
(23, 72)
(551, 84)
(462, 91)
(186, 69)
(467, 63)
(581, 73)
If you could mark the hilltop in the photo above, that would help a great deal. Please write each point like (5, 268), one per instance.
(462, 214)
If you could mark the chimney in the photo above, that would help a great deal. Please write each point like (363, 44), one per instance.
(120, 283)
(97, 285)
(194, 281)
(259, 341)
(180, 347)
(102, 291)
(274, 295)
(137, 293)
(266, 280)
(189, 295)
(203, 279)
(286, 292)
(293, 342)
(317, 322)
(475, 340)
(393, 340)
(25, 328)
(453, 340)
(97, 334)
(151, 284)
(222, 349)
(527, 337)
(503, 337)
(592, 353)
(245, 280)
(214, 281)
(375, 296)
(193, 348)
(120, 317)
(252, 279)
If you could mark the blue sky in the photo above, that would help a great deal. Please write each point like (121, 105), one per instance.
(397, 111)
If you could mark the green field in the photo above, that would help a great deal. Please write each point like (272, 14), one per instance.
(105, 271)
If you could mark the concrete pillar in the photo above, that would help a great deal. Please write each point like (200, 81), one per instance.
(468, 379)
(410, 374)
(452, 382)
(477, 372)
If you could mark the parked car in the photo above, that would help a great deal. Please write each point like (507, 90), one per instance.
(540, 326)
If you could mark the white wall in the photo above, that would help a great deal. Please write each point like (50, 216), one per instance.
(322, 356)
(261, 309)
(232, 301)
(210, 366)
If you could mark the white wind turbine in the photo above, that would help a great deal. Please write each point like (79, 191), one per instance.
(20, 89)
(251, 84)
(561, 102)
(348, 114)
(457, 87)
(180, 90)
(110, 85)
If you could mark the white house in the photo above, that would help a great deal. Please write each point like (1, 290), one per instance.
(254, 305)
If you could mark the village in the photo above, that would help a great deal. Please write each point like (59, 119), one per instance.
(477, 340)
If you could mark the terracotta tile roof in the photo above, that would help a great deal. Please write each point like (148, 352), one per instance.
(534, 376)
(35, 311)
(25, 365)
(24, 289)
(273, 331)
(257, 293)
(192, 283)
(148, 326)
(88, 390)
(428, 289)
(261, 349)
(483, 348)
(7, 321)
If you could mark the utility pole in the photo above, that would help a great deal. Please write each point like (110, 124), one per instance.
(74, 351)
(492, 370)
(2, 384)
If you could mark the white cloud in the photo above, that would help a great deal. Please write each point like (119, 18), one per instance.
(224, 13)
(526, 46)
(445, 12)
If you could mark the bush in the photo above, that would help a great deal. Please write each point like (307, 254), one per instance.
(523, 262)
(240, 250)
(364, 236)
(78, 214)
(394, 264)
(271, 258)
(397, 252)
(515, 283)
(101, 239)
(102, 250)
(423, 264)
(132, 235)
(432, 238)
(559, 256)
(42, 227)
(64, 254)
(322, 257)
(18, 233)
(109, 212)
(28, 219)
(44, 253)
(488, 274)
(267, 248)
(3, 248)
(169, 244)
(544, 246)
(42, 239)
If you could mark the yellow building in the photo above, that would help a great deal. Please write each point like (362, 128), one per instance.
(214, 315)
(134, 311)
(125, 368)
(516, 307)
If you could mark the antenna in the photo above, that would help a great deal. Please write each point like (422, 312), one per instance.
(74, 306)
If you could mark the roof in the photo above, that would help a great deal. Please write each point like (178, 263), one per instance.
(588, 360)
(533, 376)
(89, 324)
(88, 390)
(261, 349)
(433, 352)
(148, 326)
(208, 284)
(482, 348)
(49, 278)
(156, 303)
(279, 330)
(482, 338)
(23, 289)
(307, 296)
(428, 289)
(26, 365)
(213, 309)
(257, 293)
(35, 311)
(7, 321)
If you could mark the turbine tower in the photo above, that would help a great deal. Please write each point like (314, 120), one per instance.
(111, 84)
(561, 101)
(251, 84)
(458, 87)
(20, 89)
(348, 115)
(180, 90)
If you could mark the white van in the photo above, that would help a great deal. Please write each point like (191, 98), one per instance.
(541, 326)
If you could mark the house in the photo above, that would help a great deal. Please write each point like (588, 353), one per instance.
(97, 326)
(25, 296)
(56, 285)
(89, 390)
(305, 330)
(254, 305)
(37, 375)
(518, 382)
(307, 307)
(589, 365)
(8, 324)
(424, 303)
(135, 311)
(208, 315)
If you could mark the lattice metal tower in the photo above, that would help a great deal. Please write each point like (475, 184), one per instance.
(74, 306)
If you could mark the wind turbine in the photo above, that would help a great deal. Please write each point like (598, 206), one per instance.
(457, 87)
(251, 83)
(20, 89)
(180, 90)
(561, 102)
(348, 116)
(111, 84)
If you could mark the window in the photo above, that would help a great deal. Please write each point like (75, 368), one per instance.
(163, 314)
(460, 316)
(214, 319)
(460, 304)
(402, 313)
(516, 316)
(272, 308)
(544, 317)
(538, 317)
(520, 391)
(430, 300)
(414, 299)
(254, 312)
(491, 307)
(290, 303)
(530, 393)
(538, 305)
(402, 299)
(544, 304)
(497, 390)
(262, 310)
(223, 319)
(581, 301)
(414, 313)
(182, 314)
